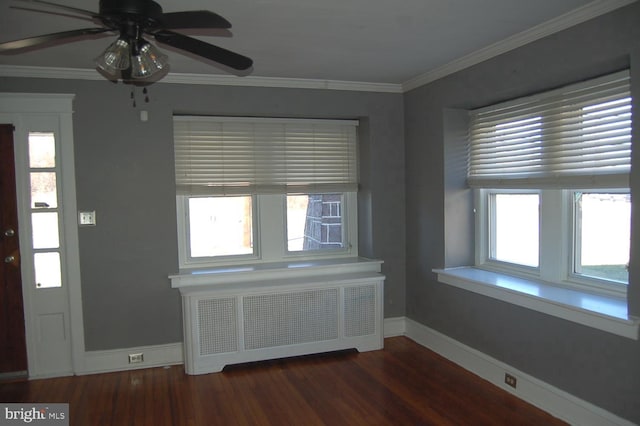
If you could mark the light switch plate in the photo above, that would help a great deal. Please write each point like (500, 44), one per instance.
(87, 218)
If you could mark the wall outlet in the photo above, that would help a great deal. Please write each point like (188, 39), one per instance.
(87, 218)
(510, 380)
(136, 358)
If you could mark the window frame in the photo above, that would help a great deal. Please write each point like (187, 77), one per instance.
(349, 231)
(556, 241)
(594, 283)
(493, 226)
(41, 210)
(484, 234)
(270, 236)
(184, 243)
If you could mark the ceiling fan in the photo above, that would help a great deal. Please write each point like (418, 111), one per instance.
(131, 58)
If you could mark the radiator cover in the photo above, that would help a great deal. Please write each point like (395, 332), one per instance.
(303, 313)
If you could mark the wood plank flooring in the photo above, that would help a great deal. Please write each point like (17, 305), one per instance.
(404, 384)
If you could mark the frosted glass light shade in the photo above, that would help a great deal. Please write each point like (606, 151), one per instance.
(115, 58)
(147, 62)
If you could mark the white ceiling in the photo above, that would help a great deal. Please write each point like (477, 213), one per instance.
(373, 41)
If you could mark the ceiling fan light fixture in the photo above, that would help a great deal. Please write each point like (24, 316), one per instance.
(157, 58)
(132, 59)
(115, 58)
(147, 61)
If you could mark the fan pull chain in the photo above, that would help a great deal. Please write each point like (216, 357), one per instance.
(133, 96)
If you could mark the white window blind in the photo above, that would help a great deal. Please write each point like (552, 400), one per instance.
(233, 155)
(576, 136)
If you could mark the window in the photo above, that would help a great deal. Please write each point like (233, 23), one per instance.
(551, 178)
(514, 227)
(257, 189)
(602, 223)
(45, 215)
(220, 226)
(315, 222)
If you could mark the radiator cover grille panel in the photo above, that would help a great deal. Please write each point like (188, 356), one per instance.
(217, 319)
(287, 312)
(290, 318)
(359, 310)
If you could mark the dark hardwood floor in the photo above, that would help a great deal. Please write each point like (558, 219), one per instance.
(404, 384)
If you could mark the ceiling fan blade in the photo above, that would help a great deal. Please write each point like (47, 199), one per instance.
(206, 50)
(24, 43)
(62, 6)
(193, 19)
(49, 12)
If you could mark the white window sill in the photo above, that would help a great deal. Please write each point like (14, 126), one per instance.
(266, 273)
(607, 313)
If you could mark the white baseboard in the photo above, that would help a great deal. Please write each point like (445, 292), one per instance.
(534, 391)
(395, 327)
(171, 354)
(118, 359)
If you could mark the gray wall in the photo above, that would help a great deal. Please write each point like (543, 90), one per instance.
(125, 171)
(598, 367)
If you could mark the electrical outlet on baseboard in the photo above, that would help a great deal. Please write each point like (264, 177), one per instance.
(136, 358)
(510, 380)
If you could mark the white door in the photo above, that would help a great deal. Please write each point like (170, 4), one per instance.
(48, 234)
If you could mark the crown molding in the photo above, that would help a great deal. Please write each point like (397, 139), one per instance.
(206, 79)
(293, 83)
(562, 22)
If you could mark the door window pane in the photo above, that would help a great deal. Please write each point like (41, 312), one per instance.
(220, 226)
(314, 222)
(515, 228)
(45, 230)
(47, 268)
(43, 190)
(42, 150)
(602, 240)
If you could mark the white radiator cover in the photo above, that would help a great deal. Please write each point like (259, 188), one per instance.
(275, 311)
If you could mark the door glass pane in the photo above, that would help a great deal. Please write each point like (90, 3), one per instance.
(47, 268)
(43, 190)
(220, 226)
(42, 150)
(515, 228)
(603, 235)
(314, 222)
(45, 230)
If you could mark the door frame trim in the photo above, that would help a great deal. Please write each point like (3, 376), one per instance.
(14, 108)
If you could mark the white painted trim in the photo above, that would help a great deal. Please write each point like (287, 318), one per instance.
(36, 103)
(118, 359)
(71, 241)
(292, 83)
(206, 79)
(395, 327)
(274, 272)
(531, 390)
(562, 22)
